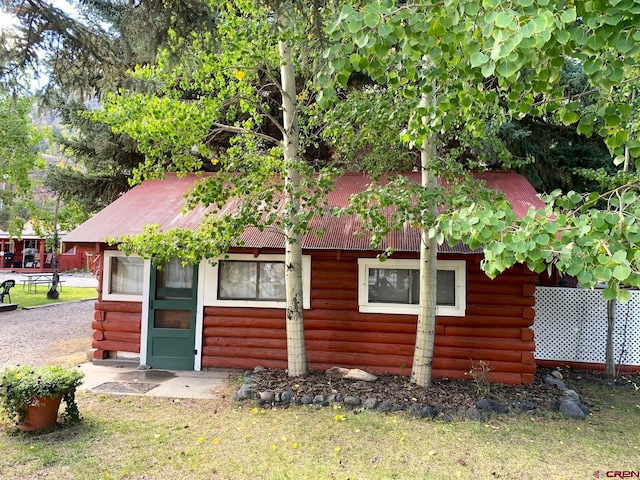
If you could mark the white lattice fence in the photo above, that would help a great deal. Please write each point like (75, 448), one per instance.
(571, 326)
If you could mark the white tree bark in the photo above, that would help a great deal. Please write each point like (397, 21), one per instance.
(296, 348)
(426, 328)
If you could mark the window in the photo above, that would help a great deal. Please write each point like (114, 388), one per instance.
(123, 277)
(248, 281)
(244, 280)
(394, 287)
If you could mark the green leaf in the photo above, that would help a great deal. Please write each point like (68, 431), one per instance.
(361, 40)
(507, 69)
(624, 295)
(621, 272)
(371, 20)
(471, 8)
(490, 4)
(563, 37)
(568, 16)
(569, 117)
(505, 19)
(478, 59)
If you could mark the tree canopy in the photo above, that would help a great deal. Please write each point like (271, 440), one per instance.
(19, 157)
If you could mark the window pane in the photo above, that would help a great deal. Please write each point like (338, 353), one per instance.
(174, 281)
(388, 285)
(446, 287)
(271, 278)
(179, 319)
(174, 275)
(126, 275)
(237, 280)
(402, 286)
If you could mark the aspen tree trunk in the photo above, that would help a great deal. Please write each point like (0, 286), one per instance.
(609, 361)
(296, 348)
(426, 329)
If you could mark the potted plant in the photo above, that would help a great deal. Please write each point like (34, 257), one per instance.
(32, 395)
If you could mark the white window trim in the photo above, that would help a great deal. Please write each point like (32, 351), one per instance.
(211, 283)
(458, 266)
(106, 277)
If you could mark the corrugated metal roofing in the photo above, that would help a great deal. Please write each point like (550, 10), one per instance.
(161, 202)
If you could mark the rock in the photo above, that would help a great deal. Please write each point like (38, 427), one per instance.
(427, 412)
(483, 404)
(370, 403)
(267, 396)
(351, 373)
(549, 380)
(258, 368)
(415, 409)
(352, 401)
(556, 374)
(286, 396)
(306, 399)
(384, 406)
(244, 393)
(361, 385)
(584, 409)
(570, 408)
(474, 413)
(446, 418)
(499, 407)
(397, 407)
(572, 394)
(319, 399)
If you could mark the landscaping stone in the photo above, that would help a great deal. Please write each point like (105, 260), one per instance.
(352, 401)
(427, 412)
(306, 400)
(572, 394)
(474, 413)
(351, 373)
(286, 396)
(415, 409)
(267, 396)
(245, 392)
(319, 399)
(370, 403)
(570, 408)
(499, 407)
(556, 374)
(549, 380)
(384, 406)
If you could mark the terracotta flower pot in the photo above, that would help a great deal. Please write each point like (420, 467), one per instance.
(40, 414)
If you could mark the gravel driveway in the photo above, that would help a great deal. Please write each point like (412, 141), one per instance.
(59, 333)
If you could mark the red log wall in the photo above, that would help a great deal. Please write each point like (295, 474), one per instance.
(496, 328)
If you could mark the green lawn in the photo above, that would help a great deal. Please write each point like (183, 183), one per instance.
(133, 437)
(25, 298)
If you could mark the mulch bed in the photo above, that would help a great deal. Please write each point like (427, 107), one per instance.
(446, 395)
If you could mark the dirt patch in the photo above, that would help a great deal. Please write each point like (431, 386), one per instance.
(68, 352)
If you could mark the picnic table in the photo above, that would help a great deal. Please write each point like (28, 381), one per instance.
(32, 280)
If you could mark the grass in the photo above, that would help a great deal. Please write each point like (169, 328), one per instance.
(134, 437)
(24, 298)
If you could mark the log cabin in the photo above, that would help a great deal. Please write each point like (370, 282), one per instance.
(358, 311)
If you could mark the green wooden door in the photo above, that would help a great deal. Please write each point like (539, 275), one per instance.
(172, 316)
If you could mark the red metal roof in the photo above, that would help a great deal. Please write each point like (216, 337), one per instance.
(161, 202)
